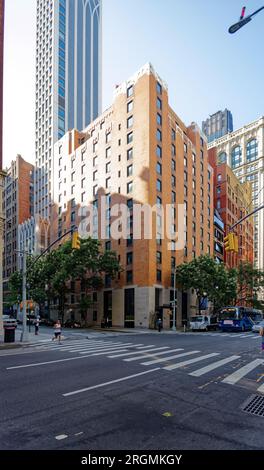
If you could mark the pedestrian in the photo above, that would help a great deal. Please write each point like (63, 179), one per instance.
(261, 332)
(37, 326)
(57, 331)
(159, 324)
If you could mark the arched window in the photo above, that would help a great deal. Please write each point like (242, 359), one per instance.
(221, 158)
(236, 156)
(252, 150)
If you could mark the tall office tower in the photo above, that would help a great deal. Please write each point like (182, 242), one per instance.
(68, 80)
(218, 124)
(137, 153)
(2, 16)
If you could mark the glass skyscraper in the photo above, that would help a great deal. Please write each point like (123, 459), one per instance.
(218, 124)
(68, 80)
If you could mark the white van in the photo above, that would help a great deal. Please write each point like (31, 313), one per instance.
(203, 323)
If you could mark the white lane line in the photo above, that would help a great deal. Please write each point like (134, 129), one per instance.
(148, 356)
(148, 346)
(240, 373)
(190, 361)
(109, 383)
(254, 337)
(261, 389)
(105, 351)
(36, 364)
(145, 348)
(215, 365)
(164, 359)
(62, 436)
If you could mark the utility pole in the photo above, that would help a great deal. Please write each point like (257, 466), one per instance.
(2, 219)
(24, 334)
(174, 300)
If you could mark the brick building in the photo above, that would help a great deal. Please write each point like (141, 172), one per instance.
(137, 152)
(233, 200)
(17, 207)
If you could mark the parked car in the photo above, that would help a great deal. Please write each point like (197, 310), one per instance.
(256, 327)
(9, 321)
(71, 324)
(203, 323)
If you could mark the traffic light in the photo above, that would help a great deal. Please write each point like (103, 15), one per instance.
(231, 242)
(76, 242)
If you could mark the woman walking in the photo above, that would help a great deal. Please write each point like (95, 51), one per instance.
(57, 331)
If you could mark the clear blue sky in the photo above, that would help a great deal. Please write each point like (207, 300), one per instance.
(206, 68)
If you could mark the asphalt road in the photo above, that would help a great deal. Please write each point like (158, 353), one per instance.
(78, 396)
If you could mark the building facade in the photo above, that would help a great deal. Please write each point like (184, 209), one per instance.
(233, 200)
(17, 207)
(138, 152)
(218, 124)
(68, 80)
(2, 25)
(243, 151)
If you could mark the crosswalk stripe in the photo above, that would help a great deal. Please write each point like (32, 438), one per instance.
(261, 389)
(164, 359)
(53, 345)
(215, 365)
(190, 361)
(153, 354)
(103, 348)
(146, 349)
(240, 373)
(106, 350)
(90, 347)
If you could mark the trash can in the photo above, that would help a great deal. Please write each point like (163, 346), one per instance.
(9, 334)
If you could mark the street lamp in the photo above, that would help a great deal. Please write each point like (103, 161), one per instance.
(243, 21)
(174, 299)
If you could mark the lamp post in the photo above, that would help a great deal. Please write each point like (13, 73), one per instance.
(174, 300)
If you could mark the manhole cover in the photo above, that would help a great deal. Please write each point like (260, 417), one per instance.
(254, 405)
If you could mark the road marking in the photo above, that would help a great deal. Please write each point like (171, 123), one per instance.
(109, 383)
(213, 366)
(47, 362)
(146, 348)
(240, 373)
(77, 345)
(98, 348)
(164, 359)
(151, 355)
(78, 434)
(105, 351)
(62, 436)
(190, 361)
(147, 356)
(261, 389)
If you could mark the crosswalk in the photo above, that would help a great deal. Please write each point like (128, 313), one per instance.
(234, 335)
(165, 357)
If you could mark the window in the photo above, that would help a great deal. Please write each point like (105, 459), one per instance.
(218, 190)
(173, 181)
(108, 152)
(185, 148)
(219, 177)
(159, 257)
(95, 174)
(159, 275)
(130, 203)
(159, 119)
(236, 156)
(159, 185)
(94, 315)
(130, 122)
(129, 154)
(130, 106)
(173, 150)
(252, 150)
(107, 182)
(159, 88)
(221, 158)
(108, 137)
(173, 134)
(129, 187)
(95, 161)
(159, 151)
(159, 103)
(185, 161)
(108, 246)
(159, 168)
(159, 135)
(129, 276)
(129, 258)
(107, 167)
(130, 170)
(130, 91)
(173, 165)
(130, 137)
(159, 201)
(173, 197)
